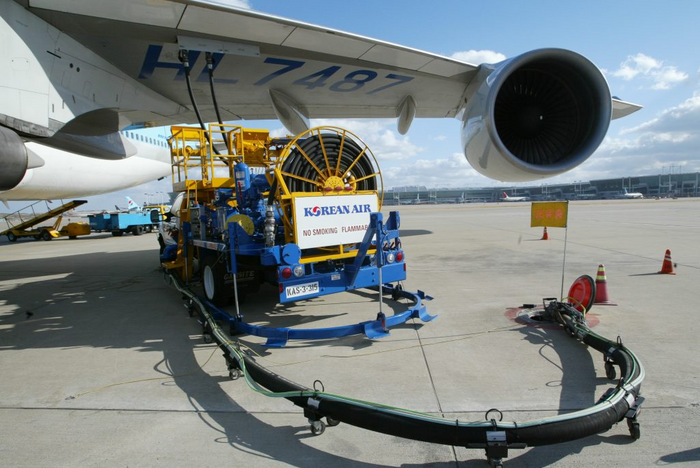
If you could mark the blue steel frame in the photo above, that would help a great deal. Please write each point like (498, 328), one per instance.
(361, 273)
(373, 329)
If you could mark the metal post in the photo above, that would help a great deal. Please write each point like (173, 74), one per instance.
(235, 292)
(563, 267)
(379, 267)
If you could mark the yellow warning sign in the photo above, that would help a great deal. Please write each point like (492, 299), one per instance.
(549, 214)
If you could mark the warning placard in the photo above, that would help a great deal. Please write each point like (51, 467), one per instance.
(323, 221)
(549, 214)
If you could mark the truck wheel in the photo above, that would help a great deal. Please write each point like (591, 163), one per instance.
(117, 233)
(45, 235)
(213, 281)
(137, 230)
(11, 237)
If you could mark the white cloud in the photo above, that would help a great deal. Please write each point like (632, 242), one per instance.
(453, 171)
(650, 69)
(667, 77)
(683, 118)
(479, 56)
(379, 135)
(636, 64)
(669, 139)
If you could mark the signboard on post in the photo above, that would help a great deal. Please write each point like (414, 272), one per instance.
(549, 214)
(328, 220)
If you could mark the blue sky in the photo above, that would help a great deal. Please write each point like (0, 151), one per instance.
(648, 51)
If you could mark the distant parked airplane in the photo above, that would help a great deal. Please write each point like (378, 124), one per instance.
(627, 194)
(132, 205)
(514, 199)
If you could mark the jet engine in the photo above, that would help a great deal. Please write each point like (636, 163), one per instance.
(13, 159)
(536, 115)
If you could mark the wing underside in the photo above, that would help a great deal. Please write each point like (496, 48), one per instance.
(315, 71)
(326, 73)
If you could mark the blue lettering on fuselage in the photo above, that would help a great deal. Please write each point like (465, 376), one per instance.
(335, 78)
(151, 62)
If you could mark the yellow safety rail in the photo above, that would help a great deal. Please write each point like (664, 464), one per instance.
(199, 170)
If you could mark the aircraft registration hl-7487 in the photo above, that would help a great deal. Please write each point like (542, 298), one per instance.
(79, 75)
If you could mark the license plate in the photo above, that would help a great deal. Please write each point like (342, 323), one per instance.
(301, 290)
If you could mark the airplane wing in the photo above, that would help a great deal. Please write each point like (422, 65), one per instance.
(265, 66)
(261, 61)
(88, 68)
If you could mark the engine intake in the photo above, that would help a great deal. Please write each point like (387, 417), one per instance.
(13, 159)
(536, 115)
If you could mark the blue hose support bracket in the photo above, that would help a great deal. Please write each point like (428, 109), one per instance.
(373, 329)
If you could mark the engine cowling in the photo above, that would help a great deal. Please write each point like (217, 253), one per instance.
(13, 159)
(536, 115)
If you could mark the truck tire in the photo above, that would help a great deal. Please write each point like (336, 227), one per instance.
(213, 281)
(45, 235)
(11, 237)
(137, 230)
(117, 233)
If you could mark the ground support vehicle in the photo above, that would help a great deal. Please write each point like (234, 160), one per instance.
(307, 222)
(23, 223)
(121, 223)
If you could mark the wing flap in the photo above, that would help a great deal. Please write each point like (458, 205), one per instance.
(161, 13)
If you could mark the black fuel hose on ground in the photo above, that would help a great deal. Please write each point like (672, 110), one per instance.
(609, 410)
(443, 431)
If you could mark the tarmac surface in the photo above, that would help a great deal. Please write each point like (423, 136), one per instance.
(100, 364)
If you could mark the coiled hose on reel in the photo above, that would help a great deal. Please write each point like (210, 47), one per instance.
(329, 158)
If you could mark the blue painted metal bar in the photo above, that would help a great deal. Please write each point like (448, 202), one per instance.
(373, 329)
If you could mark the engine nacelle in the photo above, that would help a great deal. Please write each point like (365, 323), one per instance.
(13, 159)
(536, 115)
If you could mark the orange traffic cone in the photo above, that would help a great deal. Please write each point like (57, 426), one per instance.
(545, 236)
(601, 288)
(667, 267)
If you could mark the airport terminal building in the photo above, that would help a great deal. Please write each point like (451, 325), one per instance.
(651, 186)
